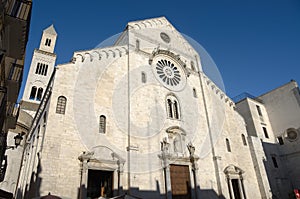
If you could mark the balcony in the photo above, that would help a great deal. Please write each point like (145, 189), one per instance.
(12, 115)
(16, 27)
(14, 81)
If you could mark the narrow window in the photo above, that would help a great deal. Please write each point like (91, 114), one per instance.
(265, 132)
(244, 140)
(45, 117)
(43, 69)
(176, 115)
(144, 77)
(49, 42)
(137, 44)
(275, 164)
(192, 66)
(280, 140)
(102, 124)
(32, 93)
(37, 68)
(39, 94)
(170, 112)
(259, 110)
(194, 92)
(228, 145)
(46, 69)
(61, 105)
(40, 69)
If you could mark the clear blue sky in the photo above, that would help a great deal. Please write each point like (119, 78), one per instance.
(254, 43)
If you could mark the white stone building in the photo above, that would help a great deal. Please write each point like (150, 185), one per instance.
(273, 123)
(139, 117)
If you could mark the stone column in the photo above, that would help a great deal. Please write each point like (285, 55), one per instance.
(84, 158)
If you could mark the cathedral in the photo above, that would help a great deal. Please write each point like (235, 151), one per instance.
(140, 119)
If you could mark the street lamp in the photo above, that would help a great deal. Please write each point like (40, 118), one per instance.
(18, 138)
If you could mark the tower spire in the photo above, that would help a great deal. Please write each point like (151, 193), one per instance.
(41, 68)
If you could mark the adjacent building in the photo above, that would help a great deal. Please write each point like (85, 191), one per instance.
(14, 28)
(273, 123)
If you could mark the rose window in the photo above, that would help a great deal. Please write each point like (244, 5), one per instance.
(168, 72)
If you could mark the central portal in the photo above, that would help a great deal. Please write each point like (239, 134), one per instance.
(100, 183)
(180, 182)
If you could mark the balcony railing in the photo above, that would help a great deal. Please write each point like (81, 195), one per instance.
(12, 114)
(16, 72)
(19, 9)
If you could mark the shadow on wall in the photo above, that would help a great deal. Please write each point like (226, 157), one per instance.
(279, 177)
(34, 186)
(136, 193)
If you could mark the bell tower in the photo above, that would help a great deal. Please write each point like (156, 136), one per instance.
(41, 68)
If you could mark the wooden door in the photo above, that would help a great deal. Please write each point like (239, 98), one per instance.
(180, 182)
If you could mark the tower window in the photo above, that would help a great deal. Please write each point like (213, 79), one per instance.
(102, 124)
(265, 132)
(144, 78)
(61, 105)
(228, 145)
(194, 93)
(37, 68)
(32, 93)
(173, 108)
(48, 42)
(244, 140)
(39, 94)
(46, 69)
(259, 110)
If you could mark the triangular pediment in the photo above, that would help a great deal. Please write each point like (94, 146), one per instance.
(155, 32)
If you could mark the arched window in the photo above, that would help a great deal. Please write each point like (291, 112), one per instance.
(45, 71)
(244, 140)
(37, 68)
(176, 114)
(173, 108)
(169, 108)
(144, 79)
(32, 93)
(41, 68)
(48, 42)
(39, 94)
(194, 92)
(61, 105)
(102, 124)
(228, 145)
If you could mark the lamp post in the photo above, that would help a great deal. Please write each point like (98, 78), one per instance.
(18, 138)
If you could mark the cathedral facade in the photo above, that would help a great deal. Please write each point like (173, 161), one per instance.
(139, 117)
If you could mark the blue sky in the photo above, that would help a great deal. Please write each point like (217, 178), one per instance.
(255, 44)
